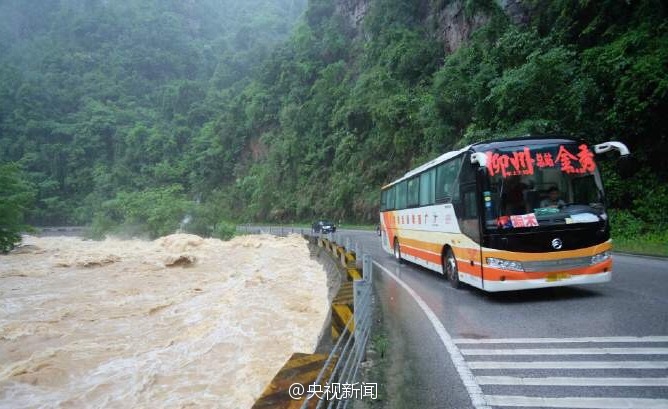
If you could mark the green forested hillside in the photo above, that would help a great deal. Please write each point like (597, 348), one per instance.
(101, 101)
(140, 113)
(352, 109)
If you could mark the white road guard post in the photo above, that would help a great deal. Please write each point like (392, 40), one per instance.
(362, 305)
(367, 268)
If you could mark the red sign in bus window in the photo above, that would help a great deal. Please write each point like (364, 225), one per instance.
(524, 162)
(524, 220)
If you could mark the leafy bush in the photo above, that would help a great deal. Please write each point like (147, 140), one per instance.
(152, 212)
(101, 225)
(624, 225)
(224, 230)
(15, 197)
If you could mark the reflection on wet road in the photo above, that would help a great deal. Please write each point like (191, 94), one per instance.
(599, 346)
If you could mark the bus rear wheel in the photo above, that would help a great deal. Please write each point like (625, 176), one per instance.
(450, 268)
(397, 251)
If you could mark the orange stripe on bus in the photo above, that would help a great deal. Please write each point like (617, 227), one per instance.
(462, 265)
(466, 267)
(388, 219)
(423, 245)
(460, 252)
(421, 254)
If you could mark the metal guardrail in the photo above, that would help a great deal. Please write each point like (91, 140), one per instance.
(281, 231)
(350, 348)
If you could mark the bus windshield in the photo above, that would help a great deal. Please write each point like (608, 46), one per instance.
(542, 185)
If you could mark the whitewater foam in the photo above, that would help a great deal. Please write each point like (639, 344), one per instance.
(178, 322)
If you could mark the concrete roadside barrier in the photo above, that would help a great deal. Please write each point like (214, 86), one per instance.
(304, 371)
(300, 369)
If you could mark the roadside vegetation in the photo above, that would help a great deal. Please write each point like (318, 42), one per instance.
(16, 195)
(633, 235)
(153, 117)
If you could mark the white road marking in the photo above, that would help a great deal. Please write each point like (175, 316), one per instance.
(483, 401)
(569, 365)
(577, 403)
(558, 340)
(465, 374)
(567, 351)
(570, 381)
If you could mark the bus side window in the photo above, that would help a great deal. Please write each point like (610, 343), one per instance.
(401, 195)
(470, 204)
(413, 198)
(427, 180)
(391, 194)
(467, 174)
(447, 175)
(468, 219)
(442, 184)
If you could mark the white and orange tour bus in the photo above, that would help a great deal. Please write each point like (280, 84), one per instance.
(504, 215)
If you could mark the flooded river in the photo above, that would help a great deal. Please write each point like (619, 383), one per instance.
(180, 322)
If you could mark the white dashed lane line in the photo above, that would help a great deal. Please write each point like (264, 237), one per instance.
(519, 387)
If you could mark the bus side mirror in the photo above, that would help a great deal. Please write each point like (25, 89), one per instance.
(627, 166)
(610, 146)
(479, 159)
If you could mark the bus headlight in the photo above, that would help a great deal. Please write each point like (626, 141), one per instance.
(505, 264)
(600, 257)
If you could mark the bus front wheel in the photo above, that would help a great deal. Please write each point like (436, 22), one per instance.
(450, 268)
(397, 251)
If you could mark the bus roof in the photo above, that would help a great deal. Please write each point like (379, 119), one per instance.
(431, 163)
(484, 147)
(524, 140)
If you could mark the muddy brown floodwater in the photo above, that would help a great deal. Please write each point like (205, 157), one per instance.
(178, 322)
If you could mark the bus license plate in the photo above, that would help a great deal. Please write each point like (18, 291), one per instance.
(557, 277)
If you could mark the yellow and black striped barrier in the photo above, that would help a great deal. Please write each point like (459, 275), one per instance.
(347, 258)
(342, 304)
(351, 258)
(304, 368)
(342, 310)
(353, 274)
(300, 368)
(349, 262)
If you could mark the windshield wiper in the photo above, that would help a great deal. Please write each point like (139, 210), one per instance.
(595, 207)
(499, 200)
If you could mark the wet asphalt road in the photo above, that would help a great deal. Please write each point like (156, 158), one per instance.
(422, 374)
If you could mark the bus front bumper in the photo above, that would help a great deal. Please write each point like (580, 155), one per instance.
(556, 280)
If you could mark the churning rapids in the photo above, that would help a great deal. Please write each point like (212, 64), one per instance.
(178, 322)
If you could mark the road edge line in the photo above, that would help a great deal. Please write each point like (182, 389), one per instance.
(465, 374)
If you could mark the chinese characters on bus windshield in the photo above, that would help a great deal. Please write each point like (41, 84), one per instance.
(524, 162)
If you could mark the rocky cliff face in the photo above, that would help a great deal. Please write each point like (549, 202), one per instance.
(517, 10)
(353, 10)
(452, 25)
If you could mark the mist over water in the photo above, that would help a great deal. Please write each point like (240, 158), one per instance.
(177, 322)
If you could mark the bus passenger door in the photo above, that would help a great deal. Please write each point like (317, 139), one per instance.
(469, 224)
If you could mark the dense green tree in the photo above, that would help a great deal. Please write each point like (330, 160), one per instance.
(101, 99)
(16, 196)
(221, 110)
